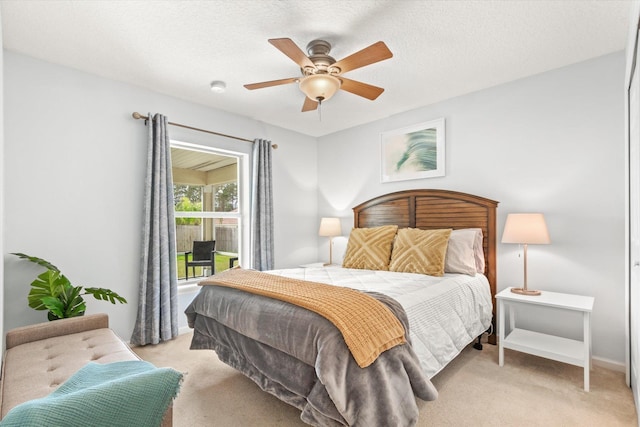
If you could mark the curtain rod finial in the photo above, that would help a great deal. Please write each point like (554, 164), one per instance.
(275, 146)
(137, 115)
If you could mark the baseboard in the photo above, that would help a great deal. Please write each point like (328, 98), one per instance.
(184, 330)
(609, 364)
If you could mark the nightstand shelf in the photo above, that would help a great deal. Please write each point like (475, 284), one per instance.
(548, 346)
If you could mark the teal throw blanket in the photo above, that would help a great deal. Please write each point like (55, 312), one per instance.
(131, 393)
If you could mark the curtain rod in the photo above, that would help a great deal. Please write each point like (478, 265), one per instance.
(138, 116)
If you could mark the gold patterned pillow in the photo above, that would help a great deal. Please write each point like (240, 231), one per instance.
(370, 248)
(420, 251)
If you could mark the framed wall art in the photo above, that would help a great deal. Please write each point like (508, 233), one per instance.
(413, 152)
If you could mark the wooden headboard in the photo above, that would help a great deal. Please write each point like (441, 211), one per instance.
(429, 209)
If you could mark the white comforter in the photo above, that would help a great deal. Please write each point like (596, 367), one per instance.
(445, 313)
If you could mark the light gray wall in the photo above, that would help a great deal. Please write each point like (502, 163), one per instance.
(551, 143)
(74, 164)
(2, 156)
(74, 175)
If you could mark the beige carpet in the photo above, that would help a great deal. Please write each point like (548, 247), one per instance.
(474, 391)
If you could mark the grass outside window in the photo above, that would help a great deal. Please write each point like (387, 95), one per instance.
(222, 263)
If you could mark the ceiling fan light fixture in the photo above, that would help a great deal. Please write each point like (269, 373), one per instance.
(320, 87)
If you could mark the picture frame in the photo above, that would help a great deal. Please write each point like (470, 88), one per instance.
(413, 152)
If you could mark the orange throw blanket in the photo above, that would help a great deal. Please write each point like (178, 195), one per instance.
(368, 326)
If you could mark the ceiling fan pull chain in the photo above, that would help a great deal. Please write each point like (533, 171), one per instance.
(320, 110)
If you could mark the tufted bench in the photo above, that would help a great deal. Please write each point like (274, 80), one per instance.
(40, 357)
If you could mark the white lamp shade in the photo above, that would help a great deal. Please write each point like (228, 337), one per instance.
(319, 87)
(529, 228)
(330, 227)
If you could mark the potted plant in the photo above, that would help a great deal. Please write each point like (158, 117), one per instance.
(52, 291)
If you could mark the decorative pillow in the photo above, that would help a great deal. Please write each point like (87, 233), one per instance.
(370, 248)
(460, 252)
(420, 251)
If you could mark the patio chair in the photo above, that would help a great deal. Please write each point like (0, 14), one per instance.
(203, 255)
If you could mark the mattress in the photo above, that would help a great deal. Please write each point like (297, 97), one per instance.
(445, 313)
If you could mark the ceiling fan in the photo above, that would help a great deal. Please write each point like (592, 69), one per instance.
(322, 75)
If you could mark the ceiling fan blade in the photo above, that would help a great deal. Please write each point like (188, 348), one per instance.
(289, 48)
(309, 104)
(260, 85)
(369, 55)
(361, 89)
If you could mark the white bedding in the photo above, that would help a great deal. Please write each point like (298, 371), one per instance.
(445, 313)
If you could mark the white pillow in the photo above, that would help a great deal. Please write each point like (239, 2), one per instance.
(460, 256)
(478, 250)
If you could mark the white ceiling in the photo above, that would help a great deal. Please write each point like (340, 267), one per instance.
(441, 49)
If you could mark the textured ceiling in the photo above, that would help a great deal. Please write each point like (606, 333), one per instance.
(441, 49)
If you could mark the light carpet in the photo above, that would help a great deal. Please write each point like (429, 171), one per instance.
(474, 390)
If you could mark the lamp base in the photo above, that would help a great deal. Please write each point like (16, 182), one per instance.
(523, 291)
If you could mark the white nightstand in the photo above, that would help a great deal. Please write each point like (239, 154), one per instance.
(549, 346)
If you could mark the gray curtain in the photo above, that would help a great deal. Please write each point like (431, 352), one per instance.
(158, 296)
(262, 207)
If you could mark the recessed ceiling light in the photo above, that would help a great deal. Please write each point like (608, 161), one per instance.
(218, 86)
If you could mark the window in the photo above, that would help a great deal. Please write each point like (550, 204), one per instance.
(207, 205)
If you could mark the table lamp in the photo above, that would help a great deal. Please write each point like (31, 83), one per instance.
(525, 229)
(330, 227)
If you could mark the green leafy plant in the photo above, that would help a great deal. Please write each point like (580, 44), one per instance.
(52, 291)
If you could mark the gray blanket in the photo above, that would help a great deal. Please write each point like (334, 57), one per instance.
(301, 358)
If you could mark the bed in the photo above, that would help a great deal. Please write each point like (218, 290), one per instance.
(302, 358)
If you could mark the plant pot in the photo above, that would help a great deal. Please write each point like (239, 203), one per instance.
(52, 316)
